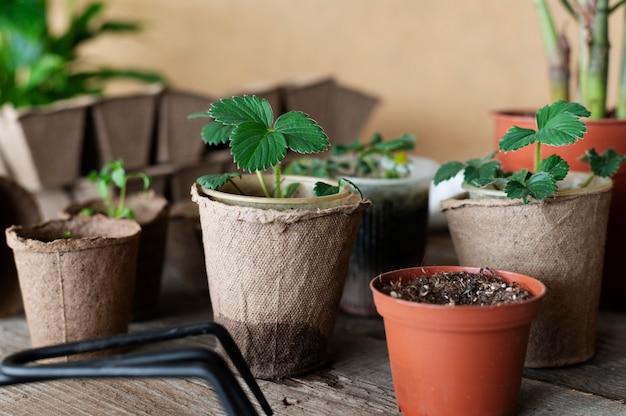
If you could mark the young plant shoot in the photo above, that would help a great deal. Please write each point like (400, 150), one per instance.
(258, 142)
(375, 159)
(558, 124)
(113, 174)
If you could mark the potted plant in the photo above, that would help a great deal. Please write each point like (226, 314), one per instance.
(150, 211)
(457, 337)
(392, 234)
(45, 81)
(276, 247)
(71, 288)
(548, 223)
(606, 126)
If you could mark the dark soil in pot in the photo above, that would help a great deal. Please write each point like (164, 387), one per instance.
(458, 288)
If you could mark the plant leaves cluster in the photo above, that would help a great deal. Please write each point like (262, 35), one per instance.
(258, 141)
(376, 158)
(111, 176)
(39, 67)
(558, 124)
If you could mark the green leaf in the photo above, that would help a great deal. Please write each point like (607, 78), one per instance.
(374, 140)
(291, 189)
(402, 143)
(516, 138)
(325, 189)
(345, 181)
(555, 166)
(238, 110)
(118, 176)
(548, 112)
(216, 133)
(540, 186)
(479, 170)
(448, 171)
(301, 133)
(199, 114)
(604, 165)
(254, 147)
(216, 180)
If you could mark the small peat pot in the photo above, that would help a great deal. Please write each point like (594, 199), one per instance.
(276, 269)
(76, 276)
(457, 358)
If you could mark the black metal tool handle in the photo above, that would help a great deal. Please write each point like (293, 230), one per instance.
(188, 362)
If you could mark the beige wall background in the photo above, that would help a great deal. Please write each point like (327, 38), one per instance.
(438, 67)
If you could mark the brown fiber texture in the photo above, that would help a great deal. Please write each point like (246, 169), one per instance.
(80, 287)
(559, 241)
(152, 214)
(276, 278)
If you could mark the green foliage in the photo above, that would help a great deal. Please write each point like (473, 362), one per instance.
(113, 175)
(38, 67)
(376, 158)
(257, 141)
(558, 124)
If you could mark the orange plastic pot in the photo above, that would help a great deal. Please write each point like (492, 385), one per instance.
(601, 135)
(464, 360)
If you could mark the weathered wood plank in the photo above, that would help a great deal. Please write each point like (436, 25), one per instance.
(605, 373)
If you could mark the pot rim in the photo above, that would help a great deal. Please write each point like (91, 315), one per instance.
(529, 114)
(280, 203)
(599, 184)
(459, 309)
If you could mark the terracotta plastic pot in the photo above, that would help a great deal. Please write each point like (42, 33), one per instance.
(559, 241)
(152, 214)
(76, 287)
(392, 234)
(601, 135)
(464, 360)
(276, 275)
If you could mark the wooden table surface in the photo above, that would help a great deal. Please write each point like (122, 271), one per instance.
(356, 381)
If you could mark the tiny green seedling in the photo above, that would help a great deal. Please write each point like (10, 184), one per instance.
(558, 124)
(113, 174)
(374, 159)
(257, 141)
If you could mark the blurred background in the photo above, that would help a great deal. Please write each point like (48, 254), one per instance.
(438, 67)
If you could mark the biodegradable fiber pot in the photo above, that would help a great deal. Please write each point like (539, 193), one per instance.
(276, 275)
(76, 287)
(392, 234)
(559, 241)
(601, 135)
(152, 214)
(463, 360)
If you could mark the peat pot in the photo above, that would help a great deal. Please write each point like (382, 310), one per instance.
(559, 241)
(76, 276)
(456, 360)
(276, 270)
(601, 135)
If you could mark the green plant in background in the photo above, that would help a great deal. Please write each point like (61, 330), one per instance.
(113, 175)
(558, 124)
(375, 159)
(38, 67)
(592, 17)
(258, 142)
